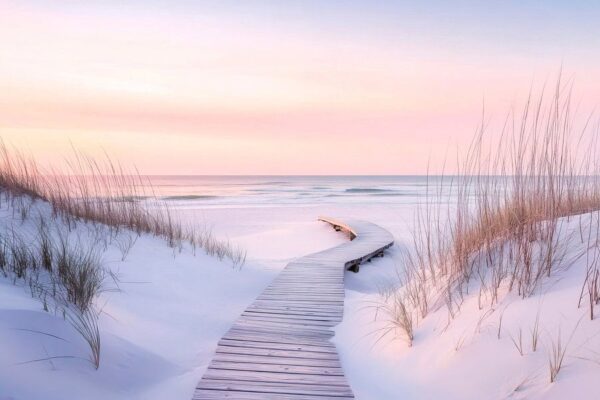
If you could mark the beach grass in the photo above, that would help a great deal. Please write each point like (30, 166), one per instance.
(495, 227)
(64, 270)
(103, 192)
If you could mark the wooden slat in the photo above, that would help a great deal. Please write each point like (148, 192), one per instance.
(204, 394)
(316, 390)
(277, 368)
(261, 359)
(280, 346)
(324, 347)
(276, 377)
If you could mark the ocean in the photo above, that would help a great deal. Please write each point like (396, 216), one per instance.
(268, 191)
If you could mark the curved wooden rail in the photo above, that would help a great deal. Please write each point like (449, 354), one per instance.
(280, 346)
(373, 240)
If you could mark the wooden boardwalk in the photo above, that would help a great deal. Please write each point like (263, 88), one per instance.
(280, 346)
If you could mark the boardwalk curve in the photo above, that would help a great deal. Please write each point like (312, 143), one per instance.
(280, 346)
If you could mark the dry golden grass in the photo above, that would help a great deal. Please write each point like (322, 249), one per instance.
(501, 230)
(65, 274)
(104, 193)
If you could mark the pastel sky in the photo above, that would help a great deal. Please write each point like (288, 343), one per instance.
(279, 87)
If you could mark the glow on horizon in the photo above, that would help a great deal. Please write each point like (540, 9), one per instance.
(265, 88)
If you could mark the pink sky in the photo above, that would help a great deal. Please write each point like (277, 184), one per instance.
(203, 91)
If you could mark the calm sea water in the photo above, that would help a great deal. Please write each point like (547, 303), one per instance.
(257, 191)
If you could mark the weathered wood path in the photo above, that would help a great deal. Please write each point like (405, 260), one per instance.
(280, 346)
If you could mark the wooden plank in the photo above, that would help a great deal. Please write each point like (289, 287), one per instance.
(287, 347)
(302, 289)
(276, 304)
(280, 346)
(274, 377)
(284, 322)
(290, 316)
(286, 331)
(280, 327)
(301, 301)
(276, 309)
(278, 335)
(286, 388)
(281, 303)
(280, 357)
(282, 285)
(262, 337)
(296, 315)
(291, 321)
(316, 296)
(204, 394)
(261, 359)
(278, 368)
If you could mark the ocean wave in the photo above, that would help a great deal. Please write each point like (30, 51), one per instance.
(392, 194)
(368, 190)
(191, 197)
(272, 190)
(375, 194)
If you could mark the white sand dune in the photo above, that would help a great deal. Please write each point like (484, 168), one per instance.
(160, 330)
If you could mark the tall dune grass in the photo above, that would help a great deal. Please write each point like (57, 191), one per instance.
(501, 231)
(66, 275)
(103, 192)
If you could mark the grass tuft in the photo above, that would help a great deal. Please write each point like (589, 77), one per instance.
(102, 192)
(501, 230)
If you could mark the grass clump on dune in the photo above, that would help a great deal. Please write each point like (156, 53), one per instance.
(99, 200)
(104, 193)
(498, 226)
(64, 273)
